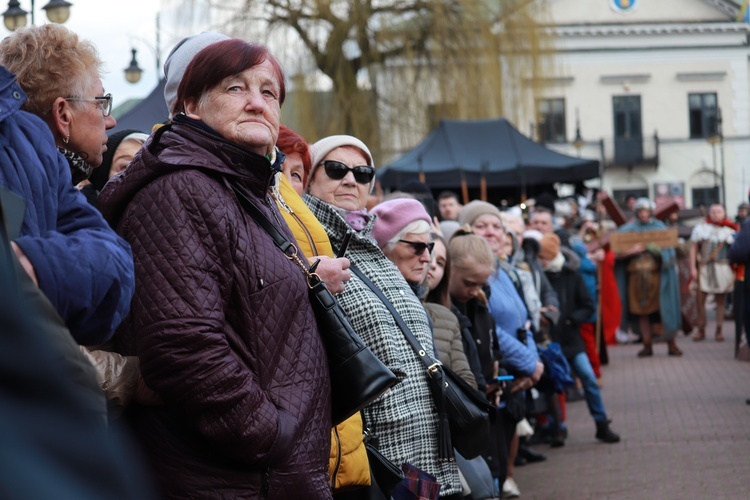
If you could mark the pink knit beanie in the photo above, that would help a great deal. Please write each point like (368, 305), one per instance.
(393, 216)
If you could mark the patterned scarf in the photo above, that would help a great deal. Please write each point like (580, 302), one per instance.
(357, 219)
(79, 169)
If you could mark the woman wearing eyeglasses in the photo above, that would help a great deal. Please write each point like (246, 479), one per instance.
(61, 74)
(404, 419)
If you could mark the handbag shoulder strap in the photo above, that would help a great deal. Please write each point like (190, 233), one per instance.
(286, 246)
(413, 342)
(278, 238)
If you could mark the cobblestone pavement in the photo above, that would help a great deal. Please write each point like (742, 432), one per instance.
(684, 425)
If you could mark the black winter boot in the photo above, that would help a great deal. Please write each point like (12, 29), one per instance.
(604, 433)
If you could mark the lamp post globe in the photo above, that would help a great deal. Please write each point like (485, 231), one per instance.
(133, 72)
(58, 11)
(15, 16)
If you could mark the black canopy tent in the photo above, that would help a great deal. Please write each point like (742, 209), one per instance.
(482, 154)
(147, 113)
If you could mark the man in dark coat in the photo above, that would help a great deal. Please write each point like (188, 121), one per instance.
(739, 253)
(576, 307)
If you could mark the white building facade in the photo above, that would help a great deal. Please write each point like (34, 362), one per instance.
(658, 91)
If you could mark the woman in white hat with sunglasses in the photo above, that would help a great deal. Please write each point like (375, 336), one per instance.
(404, 419)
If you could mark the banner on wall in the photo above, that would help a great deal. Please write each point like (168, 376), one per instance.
(667, 192)
(743, 16)
(623, 6)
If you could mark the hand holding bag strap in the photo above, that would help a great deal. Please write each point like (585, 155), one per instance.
(434, 370)
(358, 377)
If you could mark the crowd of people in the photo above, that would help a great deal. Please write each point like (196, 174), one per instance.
(161, 303)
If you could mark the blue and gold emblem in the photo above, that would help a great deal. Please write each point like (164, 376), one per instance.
(623, 5)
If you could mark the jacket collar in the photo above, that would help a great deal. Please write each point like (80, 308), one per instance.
(12, 97)
(187, 144)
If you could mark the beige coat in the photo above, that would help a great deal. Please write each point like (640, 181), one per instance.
(448, 341)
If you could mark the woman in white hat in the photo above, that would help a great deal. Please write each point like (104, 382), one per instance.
(404, 419)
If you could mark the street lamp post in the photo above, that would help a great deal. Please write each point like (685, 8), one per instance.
(58, 11)
(721, 151)
(578, 142)
(718, 138)
(133, 72)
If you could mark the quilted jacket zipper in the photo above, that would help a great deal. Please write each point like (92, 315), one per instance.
(286, 207)
(338, 457)
(266, 486)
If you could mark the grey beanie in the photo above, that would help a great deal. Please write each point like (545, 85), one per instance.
(475, 209)
(179, 58)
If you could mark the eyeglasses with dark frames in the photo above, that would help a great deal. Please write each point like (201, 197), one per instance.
(104, 102)
(336, 170)
(419, 246)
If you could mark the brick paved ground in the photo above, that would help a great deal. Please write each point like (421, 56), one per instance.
(684, 425)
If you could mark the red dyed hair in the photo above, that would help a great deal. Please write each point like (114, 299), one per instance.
(290, 141)
(221, 60)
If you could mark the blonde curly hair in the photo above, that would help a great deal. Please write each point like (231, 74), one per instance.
(50, 61)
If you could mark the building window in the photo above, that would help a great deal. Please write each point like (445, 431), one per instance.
(551, 120)
(705, 196)
(703, 113)
(626, 197)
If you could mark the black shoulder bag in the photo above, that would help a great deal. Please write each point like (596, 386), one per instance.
(464, 413)
(357, 376)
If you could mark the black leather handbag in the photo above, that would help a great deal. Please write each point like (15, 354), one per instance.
(463, 409)
(357, 376)
(384, 474)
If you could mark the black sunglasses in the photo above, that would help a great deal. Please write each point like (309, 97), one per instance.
(419, 247)
(336, 170)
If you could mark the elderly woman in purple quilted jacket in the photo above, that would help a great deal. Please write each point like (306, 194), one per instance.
(221, 319)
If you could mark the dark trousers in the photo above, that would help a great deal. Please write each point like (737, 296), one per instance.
(739, 309)
(502, 430)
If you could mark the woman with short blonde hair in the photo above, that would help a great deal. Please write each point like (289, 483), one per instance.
(61, 74)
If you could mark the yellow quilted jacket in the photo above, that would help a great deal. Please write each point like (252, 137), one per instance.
(348, 464)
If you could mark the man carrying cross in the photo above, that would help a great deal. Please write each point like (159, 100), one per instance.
(647, 278)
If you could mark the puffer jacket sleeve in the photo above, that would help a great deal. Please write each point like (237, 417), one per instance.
(184, 274)
(517, 355)
(449, 342)
(83, 267)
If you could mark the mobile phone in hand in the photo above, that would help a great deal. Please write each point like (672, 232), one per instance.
(344, 244)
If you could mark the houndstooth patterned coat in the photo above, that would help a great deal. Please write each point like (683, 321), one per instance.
(404, 418)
